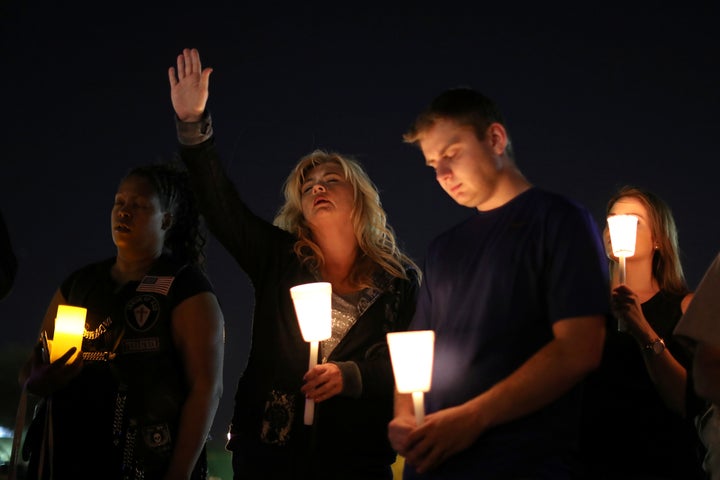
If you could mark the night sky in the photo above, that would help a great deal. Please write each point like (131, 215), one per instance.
(593, 99)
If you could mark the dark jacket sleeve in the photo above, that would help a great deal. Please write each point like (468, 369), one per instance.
(8, 261)
(251, 240)
(376, 367)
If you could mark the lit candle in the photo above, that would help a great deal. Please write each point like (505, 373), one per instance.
(313, 307)
(623, 234)
(412, 354)
(69, 328)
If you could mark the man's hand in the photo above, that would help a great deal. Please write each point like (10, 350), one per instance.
(398, 430)
(442, 435)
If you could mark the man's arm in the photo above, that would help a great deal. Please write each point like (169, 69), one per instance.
(575, 351)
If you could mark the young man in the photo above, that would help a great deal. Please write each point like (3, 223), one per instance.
(517, 297)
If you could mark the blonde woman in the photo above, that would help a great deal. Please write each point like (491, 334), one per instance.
(331, 228)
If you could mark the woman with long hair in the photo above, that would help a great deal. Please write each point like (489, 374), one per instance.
(331, 228)
(640, 404)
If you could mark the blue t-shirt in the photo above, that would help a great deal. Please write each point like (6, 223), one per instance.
(494, 285)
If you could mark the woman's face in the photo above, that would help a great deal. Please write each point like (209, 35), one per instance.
(326, 196)
(137, 220)
(644, 242)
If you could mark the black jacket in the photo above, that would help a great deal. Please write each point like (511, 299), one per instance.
(268, 416)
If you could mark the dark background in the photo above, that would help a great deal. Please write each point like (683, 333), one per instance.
(594, 99)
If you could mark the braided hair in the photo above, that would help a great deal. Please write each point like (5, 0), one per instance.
(185, 240)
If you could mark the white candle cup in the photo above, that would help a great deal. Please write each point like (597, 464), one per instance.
(412, 354)
(69, 329)
(623, 236)
(313, 307)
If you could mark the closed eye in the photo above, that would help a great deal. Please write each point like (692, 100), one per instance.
(332, 177)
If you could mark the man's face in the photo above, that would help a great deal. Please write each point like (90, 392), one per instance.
(467, 169)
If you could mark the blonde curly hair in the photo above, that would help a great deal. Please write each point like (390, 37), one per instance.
(375, 238)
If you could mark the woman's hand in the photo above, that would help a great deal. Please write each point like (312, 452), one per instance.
(626, 307)
(45, 378)
(322, 382)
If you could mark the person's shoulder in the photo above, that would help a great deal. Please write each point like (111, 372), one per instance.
(554, 199)
(85, 276)
(182, 271)
(192, 271)
(557, 207)
(685, 302)
(714, 268)
(710, 282)
(191, 278)
(93, 268)
(413, 274)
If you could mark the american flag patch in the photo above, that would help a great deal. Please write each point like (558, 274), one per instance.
(154, 284)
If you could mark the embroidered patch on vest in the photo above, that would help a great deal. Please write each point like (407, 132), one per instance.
(142, 312)
(278, 418)
(156, 436)
(139, 345)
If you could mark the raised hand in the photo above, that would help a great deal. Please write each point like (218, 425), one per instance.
(189, 86)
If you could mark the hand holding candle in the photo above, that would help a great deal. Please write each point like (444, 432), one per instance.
(313, 307)
(411, 354)
(69, 328)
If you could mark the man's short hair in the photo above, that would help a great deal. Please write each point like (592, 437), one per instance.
(462, 105)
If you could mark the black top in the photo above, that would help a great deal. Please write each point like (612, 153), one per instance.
(119, 417)
(349, 432)
(627, 428)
